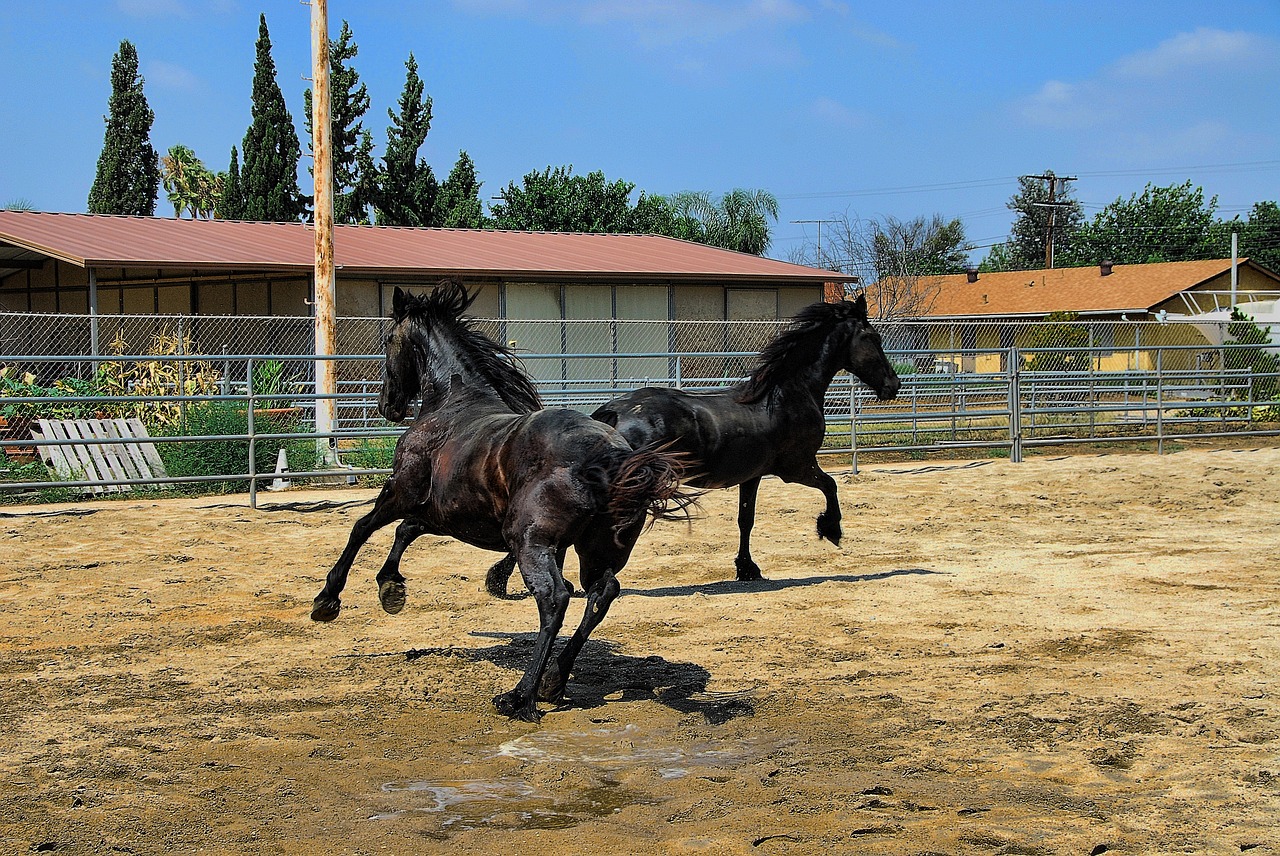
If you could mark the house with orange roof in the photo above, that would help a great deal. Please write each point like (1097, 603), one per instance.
(1127, 308)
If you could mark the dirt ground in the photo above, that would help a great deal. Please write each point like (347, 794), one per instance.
(1074, 655)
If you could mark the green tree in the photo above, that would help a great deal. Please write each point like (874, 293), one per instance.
(919, 247)
(407, 188)
(1252, 355)
(128, 176)
(269, 177)
(458, 206)
(1058, 345)
(190, 185)
(657, 215)
(556, 200)
(1029, 232)
(230, 203)
(1259, 235)
(348, 102)
(738, 220)
(1162, 224)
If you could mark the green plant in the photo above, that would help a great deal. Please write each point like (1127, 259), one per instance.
(67, 390)
(271, 381)
(1264, 385)
(230, 457)
(371, 453)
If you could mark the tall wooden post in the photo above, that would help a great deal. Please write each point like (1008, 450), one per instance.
(325, 285)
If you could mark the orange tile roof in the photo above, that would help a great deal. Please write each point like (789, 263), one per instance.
(1128, 288)
(155, 242)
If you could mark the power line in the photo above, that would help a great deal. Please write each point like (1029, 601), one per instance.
(1214, 169)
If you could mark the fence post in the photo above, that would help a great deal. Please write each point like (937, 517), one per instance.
(182, 375)
(1015, 407)
(1160, 401)
(853, 427)
(253, 439)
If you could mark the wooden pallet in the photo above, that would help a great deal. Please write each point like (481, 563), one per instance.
(75, 460)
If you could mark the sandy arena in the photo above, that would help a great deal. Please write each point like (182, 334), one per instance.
(1069, 655)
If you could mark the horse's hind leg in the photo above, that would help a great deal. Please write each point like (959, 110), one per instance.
(542, 576)
(746, 567)
(495, 581)
(391, 593)
(327, 603)
(600, 563)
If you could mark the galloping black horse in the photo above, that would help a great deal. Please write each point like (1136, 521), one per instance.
(770, 424)
(483, 463)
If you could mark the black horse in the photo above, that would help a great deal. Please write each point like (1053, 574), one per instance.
(770, 424)
(483, 463)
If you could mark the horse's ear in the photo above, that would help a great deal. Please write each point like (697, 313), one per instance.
(399, 303)
(860, 306)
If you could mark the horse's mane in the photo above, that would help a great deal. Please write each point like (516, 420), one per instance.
(497, 364)
(795, 348)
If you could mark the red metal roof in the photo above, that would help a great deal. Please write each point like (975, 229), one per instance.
(91, 240)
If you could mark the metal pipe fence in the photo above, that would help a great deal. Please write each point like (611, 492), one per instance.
(222, 419)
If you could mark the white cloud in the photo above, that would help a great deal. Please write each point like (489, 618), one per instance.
(1202, 50)
(169, 75)
(1181, 92)
(655, 22)
(154, 8)
(832, 112)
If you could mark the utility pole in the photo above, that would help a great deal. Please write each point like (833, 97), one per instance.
(325, 285)
(1056, 183)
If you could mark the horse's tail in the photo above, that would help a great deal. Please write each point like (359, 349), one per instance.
(647, 482)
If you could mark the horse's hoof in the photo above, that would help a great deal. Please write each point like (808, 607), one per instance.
(748, 571)
(391, 594)
(832, 533)
(511, 705)
(551, 687)
(325, 608)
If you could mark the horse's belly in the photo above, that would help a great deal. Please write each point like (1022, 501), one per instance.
(469, 528)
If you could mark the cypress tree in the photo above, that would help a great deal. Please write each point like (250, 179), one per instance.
(230, 204)
(408, 188)
(348, 102)
(269, 177)
(128, 176)
(458, 205)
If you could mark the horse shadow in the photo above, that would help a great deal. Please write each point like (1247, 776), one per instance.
(768, 585)
(603, 676)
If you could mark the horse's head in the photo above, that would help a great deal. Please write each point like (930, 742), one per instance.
(400, 371)
(866, 354)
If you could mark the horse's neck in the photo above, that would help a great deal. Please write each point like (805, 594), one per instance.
(443, 379)
(813, 379)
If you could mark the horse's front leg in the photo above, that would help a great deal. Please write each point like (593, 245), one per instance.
(746, 567)
(543, 577)
(829, 519)
(327, 603)
(391, 592)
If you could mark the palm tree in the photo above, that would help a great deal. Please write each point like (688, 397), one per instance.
(189, 184)
(739, 220)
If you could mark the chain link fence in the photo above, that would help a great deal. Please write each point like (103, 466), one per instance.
(964, 386)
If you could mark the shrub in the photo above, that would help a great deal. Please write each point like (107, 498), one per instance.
(230, 457)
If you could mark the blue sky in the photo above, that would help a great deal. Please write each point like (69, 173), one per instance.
(838, 108)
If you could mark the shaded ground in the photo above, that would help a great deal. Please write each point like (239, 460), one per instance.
(1073, 655)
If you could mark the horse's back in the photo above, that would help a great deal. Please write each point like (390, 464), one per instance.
(730, 442)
